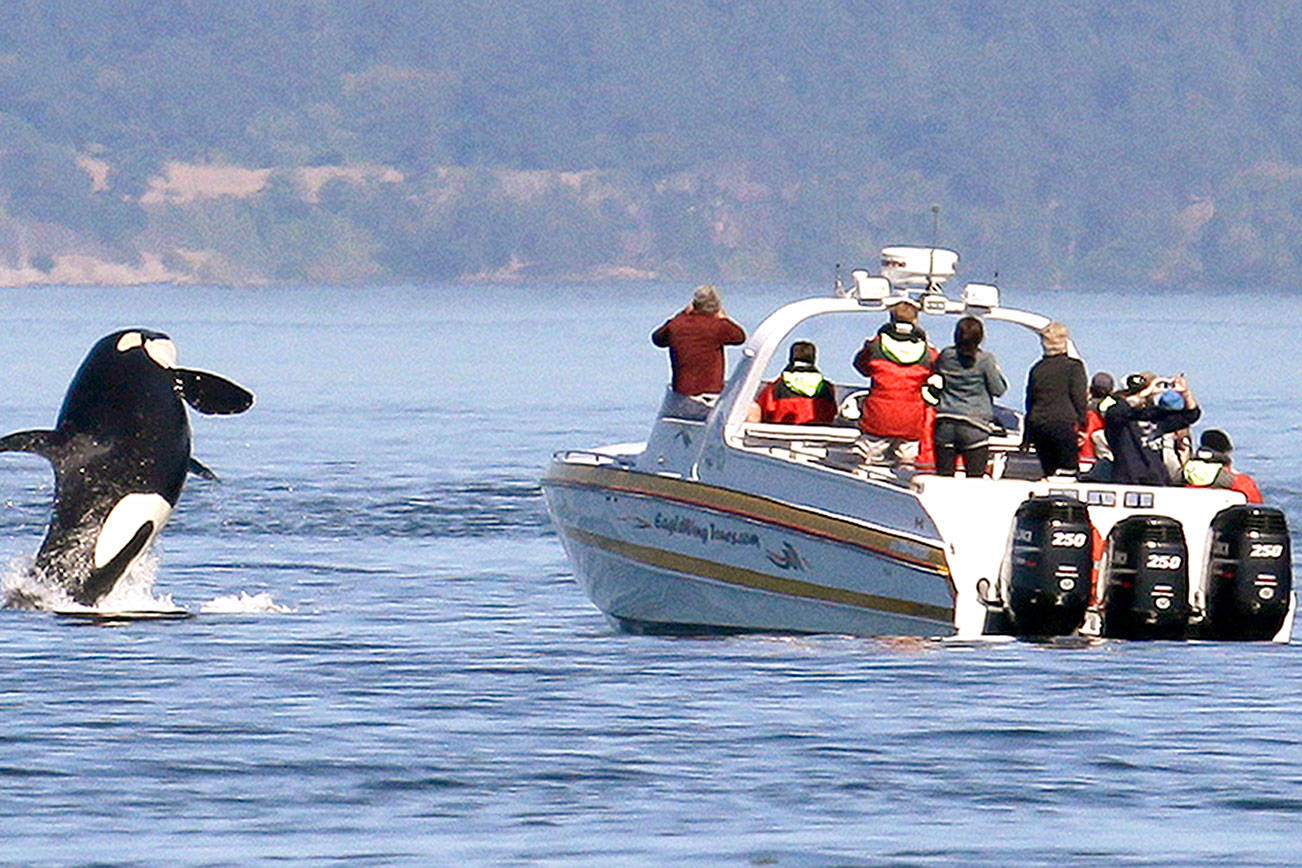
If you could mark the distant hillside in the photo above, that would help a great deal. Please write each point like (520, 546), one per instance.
(324, 140)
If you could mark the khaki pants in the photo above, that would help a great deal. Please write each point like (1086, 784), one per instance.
(886, 450)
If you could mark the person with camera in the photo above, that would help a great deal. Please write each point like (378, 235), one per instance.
(898, 360)
(1145, 411)
(695, 339)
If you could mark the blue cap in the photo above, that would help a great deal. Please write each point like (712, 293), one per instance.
(1171, 400)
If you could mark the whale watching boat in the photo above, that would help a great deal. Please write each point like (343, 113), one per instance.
(725, 524)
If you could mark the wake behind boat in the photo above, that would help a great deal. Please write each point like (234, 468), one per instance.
(727, 524)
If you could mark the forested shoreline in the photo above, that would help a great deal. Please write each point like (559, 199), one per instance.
(355, 142)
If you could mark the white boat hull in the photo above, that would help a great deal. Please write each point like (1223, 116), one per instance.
(656, 553)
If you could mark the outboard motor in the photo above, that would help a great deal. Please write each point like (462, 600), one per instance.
(1146, 584)
(1049, 566)
(1250, 574)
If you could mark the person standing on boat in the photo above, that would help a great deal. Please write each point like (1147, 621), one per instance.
(801, 396)
(898, 360)
(1100, 398)
(1136, 423)
(969, 381)
(1210, 467)
(695, 338)
(1056, 405)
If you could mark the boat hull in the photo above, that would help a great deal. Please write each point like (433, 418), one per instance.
(662, 554)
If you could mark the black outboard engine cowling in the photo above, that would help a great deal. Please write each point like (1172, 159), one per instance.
(1146, 585)
(1250, 574)
(1050, 566)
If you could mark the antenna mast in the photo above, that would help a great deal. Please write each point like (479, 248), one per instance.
(935, 236)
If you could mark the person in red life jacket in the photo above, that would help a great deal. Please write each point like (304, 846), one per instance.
(801, 396)
(898, 360)
(1210, 467)
(1100, 398)
(695, 339)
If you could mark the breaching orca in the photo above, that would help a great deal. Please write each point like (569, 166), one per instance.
(121, 451)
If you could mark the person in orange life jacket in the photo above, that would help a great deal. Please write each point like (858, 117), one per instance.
(1100, 398)
(898, 360)
(801, 396)
(1210, 467)
(695, 339)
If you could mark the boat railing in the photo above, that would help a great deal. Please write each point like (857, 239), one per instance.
(782, 431)
(826, 446)
(1006, 437)
(832, 447)
(596, 459)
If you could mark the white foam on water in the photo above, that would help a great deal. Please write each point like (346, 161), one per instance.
(243, 604)
(134, 592)
(25, 588)
(22, 587)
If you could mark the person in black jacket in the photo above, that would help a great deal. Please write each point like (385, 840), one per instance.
(1055, 404)
(1134, 426)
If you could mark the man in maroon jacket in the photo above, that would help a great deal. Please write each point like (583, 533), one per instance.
(696, 338)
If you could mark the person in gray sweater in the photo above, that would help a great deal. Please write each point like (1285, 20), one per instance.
(966, 382)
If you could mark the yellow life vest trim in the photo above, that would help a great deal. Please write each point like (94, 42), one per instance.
(1201, 473)
(905, 352)
(803, 382)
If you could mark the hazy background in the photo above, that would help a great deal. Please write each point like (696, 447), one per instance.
(333, 141)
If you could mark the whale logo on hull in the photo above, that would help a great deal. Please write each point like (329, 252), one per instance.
(120, 451)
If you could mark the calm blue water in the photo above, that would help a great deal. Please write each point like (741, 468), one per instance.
(442, 693)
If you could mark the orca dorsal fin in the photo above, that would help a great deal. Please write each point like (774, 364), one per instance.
(198, 469)
(211, 394)
(46, 444)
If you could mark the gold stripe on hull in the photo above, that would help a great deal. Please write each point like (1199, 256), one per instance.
(919, 554)
(745, 578)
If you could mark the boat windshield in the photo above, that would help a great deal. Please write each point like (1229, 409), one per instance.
(838, 328)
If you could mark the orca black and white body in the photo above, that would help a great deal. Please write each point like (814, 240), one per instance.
(120, 451)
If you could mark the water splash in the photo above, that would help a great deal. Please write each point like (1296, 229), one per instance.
(134, 592)
(242, 604)
(25, 587)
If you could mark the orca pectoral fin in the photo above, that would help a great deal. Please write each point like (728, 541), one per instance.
(43, 443)
(202, 472)
(210, 393)
(102, 579)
